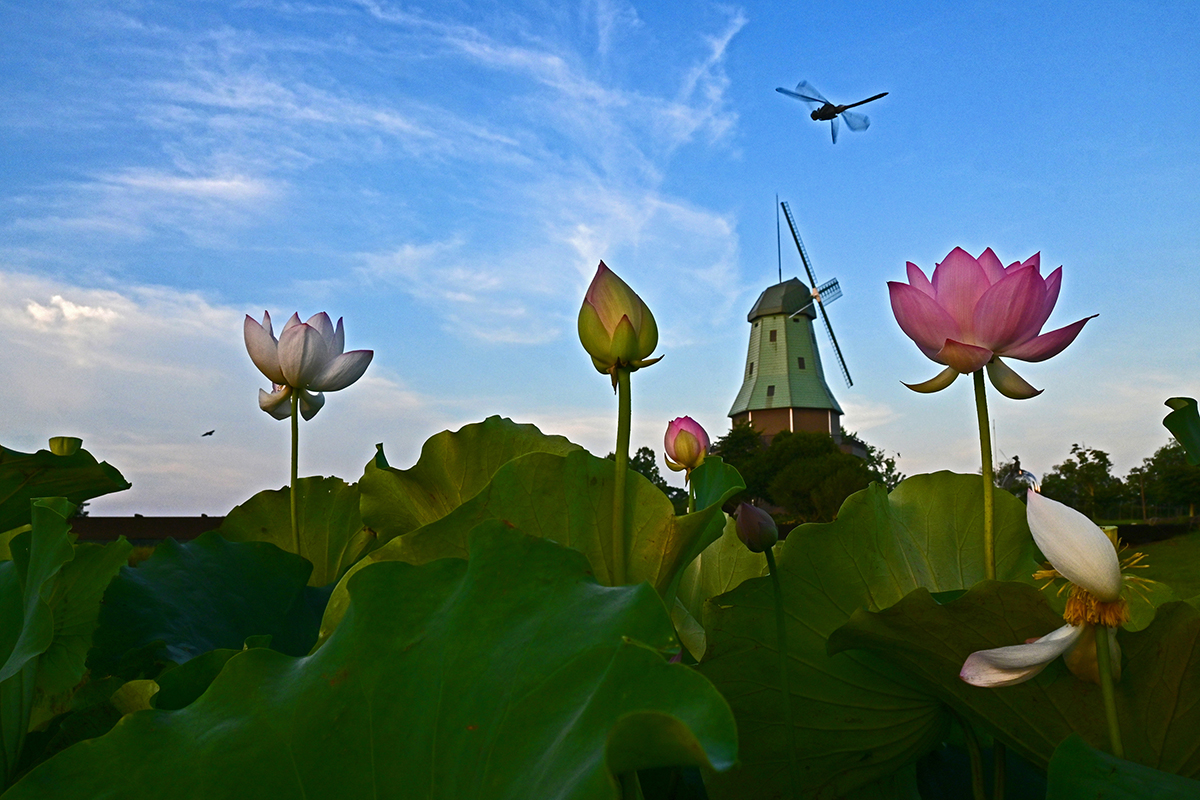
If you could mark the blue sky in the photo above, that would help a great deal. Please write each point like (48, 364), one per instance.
(446, 177)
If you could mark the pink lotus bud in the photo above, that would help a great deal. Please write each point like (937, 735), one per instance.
(615, 326)
(755, 528)
(976, 310)
(686, 444)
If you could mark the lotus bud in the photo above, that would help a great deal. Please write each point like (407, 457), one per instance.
(615, 327)
(686, 444)
(756, 528)
(65, 445)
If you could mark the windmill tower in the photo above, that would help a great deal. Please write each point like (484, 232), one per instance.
(783, 386)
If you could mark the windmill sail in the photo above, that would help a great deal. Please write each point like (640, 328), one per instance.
(820, 301)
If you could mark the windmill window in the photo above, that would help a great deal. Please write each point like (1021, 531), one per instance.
(800, 362)
(751, 368)
(773, 334)
(770, 391)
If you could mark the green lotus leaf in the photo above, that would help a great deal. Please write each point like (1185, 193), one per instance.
(567, 499)
(1158, 696)
(187, 599)
(76, 475)
(1079, 772)
(1184, 424)
(26, 619)
(332, 535)
(513, 675)
(453, 468)
(720, 567)
(75, 605)
(857, 719)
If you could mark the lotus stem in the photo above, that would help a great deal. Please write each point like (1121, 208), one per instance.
(691, 497)
(781, 635)
(622, 456)
(295, 467)
(999, 769)
(975, 756)
(985, 447)
(631, 787)
(1104, 665)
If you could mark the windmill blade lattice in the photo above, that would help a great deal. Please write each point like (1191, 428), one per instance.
(820, 298)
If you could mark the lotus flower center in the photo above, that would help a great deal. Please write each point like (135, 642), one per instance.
(1083, 607)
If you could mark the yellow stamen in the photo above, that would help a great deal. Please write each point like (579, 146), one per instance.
(1084, 607)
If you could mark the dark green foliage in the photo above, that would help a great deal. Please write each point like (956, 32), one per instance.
(1167, 478)
(188, 599)
(513, 674)
(805, 474)
(1079, 772)
(645, 464)
(75, 475)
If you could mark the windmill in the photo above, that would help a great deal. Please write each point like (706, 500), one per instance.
(783, 386)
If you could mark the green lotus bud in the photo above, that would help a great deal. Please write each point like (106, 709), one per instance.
(65, 445)
(756, 528)
(615, 327)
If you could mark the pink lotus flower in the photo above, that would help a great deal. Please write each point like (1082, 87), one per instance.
(686, 444)
(306, 359)
(976, 310)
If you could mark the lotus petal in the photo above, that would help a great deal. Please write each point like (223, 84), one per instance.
(1077, 549)
(958, 283)
(262, 347)
(303, 355)
(339, 340)
(1049, 344)
(917, 279)
(936, 383)
(323, 325)
(1053, 284)
(1008, 382)
(1004, 666)
(292, 322)
(992, 268)
(921, 318)
(342, 371)
(277, 403)
(310, 404)
(1009, 311)
(963, 357)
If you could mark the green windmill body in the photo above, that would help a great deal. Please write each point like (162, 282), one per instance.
(783, 386)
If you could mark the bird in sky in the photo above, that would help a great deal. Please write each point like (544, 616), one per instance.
(208, 433)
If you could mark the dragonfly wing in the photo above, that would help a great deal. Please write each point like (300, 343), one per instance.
(833, 127)
(856, 121)
(809, 92)
(810, 101)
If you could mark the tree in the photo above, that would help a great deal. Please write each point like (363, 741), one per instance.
(1084, 481)
(882, 466)
(809, 477)
(804, 474)
(1166, 478)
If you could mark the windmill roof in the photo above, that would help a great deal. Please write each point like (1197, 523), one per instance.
(783, 298)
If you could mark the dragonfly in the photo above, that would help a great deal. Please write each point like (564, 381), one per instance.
(825, 110)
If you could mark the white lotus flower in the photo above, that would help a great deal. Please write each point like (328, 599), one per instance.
(1085, 555)
(306, 359)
